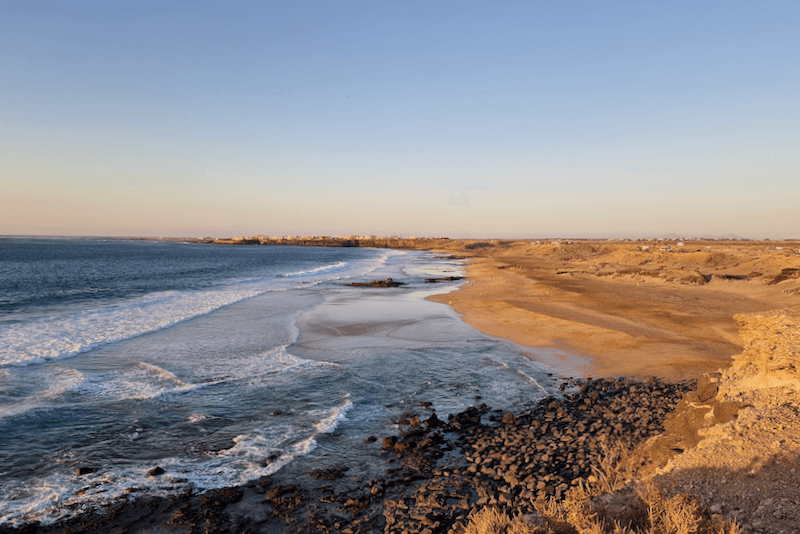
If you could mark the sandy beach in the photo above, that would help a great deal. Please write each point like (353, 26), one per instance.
(624, 308)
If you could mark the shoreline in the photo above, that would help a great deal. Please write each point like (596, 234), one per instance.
(436, 471)
(437, 474)
(613, 310)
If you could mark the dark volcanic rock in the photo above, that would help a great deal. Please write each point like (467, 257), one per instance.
(433, 422)
(332, 473)
(156, 471)
(377, 283)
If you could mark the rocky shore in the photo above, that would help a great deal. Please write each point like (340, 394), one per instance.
(437, 470)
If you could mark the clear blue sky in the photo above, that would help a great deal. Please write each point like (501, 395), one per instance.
(485, 119)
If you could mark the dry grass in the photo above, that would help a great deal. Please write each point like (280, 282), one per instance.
(490, 520)
(607, 505)
(611, 472)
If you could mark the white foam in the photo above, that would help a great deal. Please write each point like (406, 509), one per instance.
(254, 369)
(328, 424)
(255, 454)
(55, 383)
(38, 502)
(162, 374)
(142, 381)
(251, 449)
(67, 335)
(524, 375)
(324, 268)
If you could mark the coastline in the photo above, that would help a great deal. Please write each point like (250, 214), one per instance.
(437, 474)
(432, 473)
(607, 309)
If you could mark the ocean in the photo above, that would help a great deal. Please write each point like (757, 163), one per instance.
(221, 364)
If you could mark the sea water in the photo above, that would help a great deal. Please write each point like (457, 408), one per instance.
(220, 364)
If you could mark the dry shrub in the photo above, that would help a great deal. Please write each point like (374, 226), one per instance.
(606, 504)
(574, 515)
(612, 472)
(580, 514)
(655, 513)
(490, 520)
(679, 514)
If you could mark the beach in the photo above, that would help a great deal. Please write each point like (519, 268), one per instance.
(611, 308)
(615, 352)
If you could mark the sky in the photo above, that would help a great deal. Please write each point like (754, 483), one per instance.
(445, 118)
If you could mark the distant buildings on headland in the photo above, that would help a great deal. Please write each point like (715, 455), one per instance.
(324, 240)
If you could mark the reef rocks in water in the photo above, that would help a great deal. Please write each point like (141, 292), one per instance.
(377, 283)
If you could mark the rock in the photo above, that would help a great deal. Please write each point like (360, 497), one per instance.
(509, 418)
(333, 473)
(156, 471)
(707, 386)
(433, 421)
(403, 446)
(389, 442)
(370, 439)
(377, 283)
(85, 471)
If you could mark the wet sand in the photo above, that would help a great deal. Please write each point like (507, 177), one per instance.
(608, 309)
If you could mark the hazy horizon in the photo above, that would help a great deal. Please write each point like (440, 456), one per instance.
(511, 120)
(663, 237)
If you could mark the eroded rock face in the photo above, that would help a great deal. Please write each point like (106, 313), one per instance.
(770, 359)
(746, 424)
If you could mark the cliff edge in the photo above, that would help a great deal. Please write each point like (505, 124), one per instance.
(735, 442)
